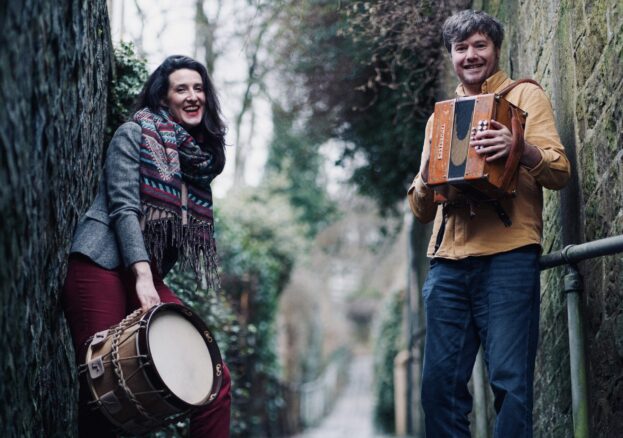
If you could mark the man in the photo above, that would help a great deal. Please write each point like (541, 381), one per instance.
(483, 284)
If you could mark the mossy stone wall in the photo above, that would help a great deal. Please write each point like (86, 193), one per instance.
(54, 72)
(574, 48)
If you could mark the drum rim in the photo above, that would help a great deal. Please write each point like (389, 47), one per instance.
(152, 372)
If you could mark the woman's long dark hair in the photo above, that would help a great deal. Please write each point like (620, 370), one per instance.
(212, 128)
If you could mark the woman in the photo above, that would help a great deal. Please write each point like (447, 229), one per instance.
(153, 207)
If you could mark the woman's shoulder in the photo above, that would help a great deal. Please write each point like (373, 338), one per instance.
(126, 140)
(127, 132)
(129, 128)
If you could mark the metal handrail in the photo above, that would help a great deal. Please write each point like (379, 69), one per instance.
(576, 253)
(570, 255)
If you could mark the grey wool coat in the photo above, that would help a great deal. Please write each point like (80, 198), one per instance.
(109, 233)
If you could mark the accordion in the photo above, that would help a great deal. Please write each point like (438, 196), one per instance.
(455, 169)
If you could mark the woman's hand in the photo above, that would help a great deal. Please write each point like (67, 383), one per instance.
(145, 289)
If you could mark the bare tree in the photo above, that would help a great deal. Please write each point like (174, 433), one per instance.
(205, 38)
(138, 40)
(256, 39)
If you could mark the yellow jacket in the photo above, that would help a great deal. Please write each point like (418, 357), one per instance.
(485, 234)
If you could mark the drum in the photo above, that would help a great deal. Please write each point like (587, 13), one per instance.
(152, 368)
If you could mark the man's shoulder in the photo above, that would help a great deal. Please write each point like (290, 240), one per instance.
(526, 94)
(532, 86)
(524, 85)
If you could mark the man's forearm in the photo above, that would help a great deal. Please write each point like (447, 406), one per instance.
(421, 200)
(531, 156)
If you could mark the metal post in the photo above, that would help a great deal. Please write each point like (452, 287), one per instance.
(579, 390)
(481, 428)
(410, 325)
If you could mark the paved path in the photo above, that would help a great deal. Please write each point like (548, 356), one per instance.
(352, 414)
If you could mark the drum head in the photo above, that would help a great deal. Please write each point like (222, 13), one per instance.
(181, 357)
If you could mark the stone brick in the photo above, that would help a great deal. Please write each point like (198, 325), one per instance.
(54, 71)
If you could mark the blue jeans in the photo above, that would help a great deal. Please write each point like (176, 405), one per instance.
(493, 300)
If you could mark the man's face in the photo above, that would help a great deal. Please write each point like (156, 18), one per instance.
(474, 60)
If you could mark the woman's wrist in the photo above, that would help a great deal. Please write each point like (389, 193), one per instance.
(142, 270)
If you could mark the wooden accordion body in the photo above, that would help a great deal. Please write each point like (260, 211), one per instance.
(455, 168)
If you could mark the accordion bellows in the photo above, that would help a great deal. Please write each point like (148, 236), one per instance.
(455, 168)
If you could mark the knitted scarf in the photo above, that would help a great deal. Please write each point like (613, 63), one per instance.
(170, 156)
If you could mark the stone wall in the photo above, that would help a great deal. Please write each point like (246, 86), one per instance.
(54, 69)
(575, 50)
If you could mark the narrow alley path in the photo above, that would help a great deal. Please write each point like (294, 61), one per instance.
(351, 416)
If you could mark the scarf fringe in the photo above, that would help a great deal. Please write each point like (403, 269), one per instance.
(194, 242)
(170, 156)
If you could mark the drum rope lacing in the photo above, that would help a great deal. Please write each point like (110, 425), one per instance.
(117, 331)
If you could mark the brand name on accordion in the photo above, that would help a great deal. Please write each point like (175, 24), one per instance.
(442, 134)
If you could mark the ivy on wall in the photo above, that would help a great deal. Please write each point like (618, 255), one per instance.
(129, 75)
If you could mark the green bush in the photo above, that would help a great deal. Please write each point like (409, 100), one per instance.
(258, 244)
(388, 341)
(129, 75)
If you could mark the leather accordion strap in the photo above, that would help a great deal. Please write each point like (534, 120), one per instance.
(517, 147)
(442, 228)
(518, 82)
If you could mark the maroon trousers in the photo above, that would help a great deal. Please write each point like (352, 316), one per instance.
(94, 299)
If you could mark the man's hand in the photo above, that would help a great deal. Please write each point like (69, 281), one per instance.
(145, 289)
(495, 142)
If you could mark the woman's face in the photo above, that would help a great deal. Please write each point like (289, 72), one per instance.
(185, 97)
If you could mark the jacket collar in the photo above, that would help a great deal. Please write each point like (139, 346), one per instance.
(490, 85)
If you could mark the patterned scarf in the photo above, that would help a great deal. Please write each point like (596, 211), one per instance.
(169, 157)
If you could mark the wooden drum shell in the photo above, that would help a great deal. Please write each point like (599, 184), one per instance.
(140, 375)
